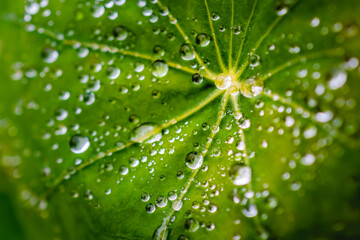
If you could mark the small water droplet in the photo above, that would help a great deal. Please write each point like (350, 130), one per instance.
(203, 39)
(197, 78)
(49, 55)
(79, 143)
(120, 33)
(113, 73)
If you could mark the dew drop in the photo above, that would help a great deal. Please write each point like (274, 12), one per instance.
(308, 159)
(281, 10)
(113, 73)
(191, 225)
(250, 211)
(203, 39)
(254, 60)
(186, 52)
(194, 160)
(150, 208)
(223, 81)
(144, 132)
(197, 78)
(79, 143)
(160, 68)
(49, 55)
(161, 201)
(252, 87)
(120, 33)
(240, 175)
(97, 10)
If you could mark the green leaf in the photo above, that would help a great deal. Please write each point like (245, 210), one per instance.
(180, 119)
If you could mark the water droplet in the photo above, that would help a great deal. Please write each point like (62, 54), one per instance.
(49, 55)
(215, 16)
(203, 39)
(97, 10)
(120, 33)
(145, 132)
(240, 175)
(324, 117)
(161, 201)
(177, 205)
(186, 52)
(281, 10)
(308, 159)
(194, 160)
(123, 170)
(254, 60)
(244, 123)
(159, 51)
(197, 78)
(223, 81)
(337, 80)
(191, 225)
(160, 68)
(252, 87)
(145, 197)
(113, 73)
(79, 143)
(150, 208)
(250, 211)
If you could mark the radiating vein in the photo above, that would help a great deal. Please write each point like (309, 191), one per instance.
(186, 38)
(245, 35)
(337, 52)
(246, 160)
(262, 38)
(148, 135)
(214, 37)
(300, 109)
(221, 115)
(231, 35)
(111, 49)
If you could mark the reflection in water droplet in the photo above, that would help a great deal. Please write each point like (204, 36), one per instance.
(160, 68)
(186, 52)
(79, 143)
(281, 10)
(194, 160)
(161, 201)
(240, 175)
(203, 39)
(144, 132)
(252, 87)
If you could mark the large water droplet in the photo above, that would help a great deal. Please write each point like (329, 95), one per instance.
(223, 81)
(194, 160)
(160, 68)
(79, 143)
(240, 175)
(186, 52)
(145, 132)
(252, 87)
